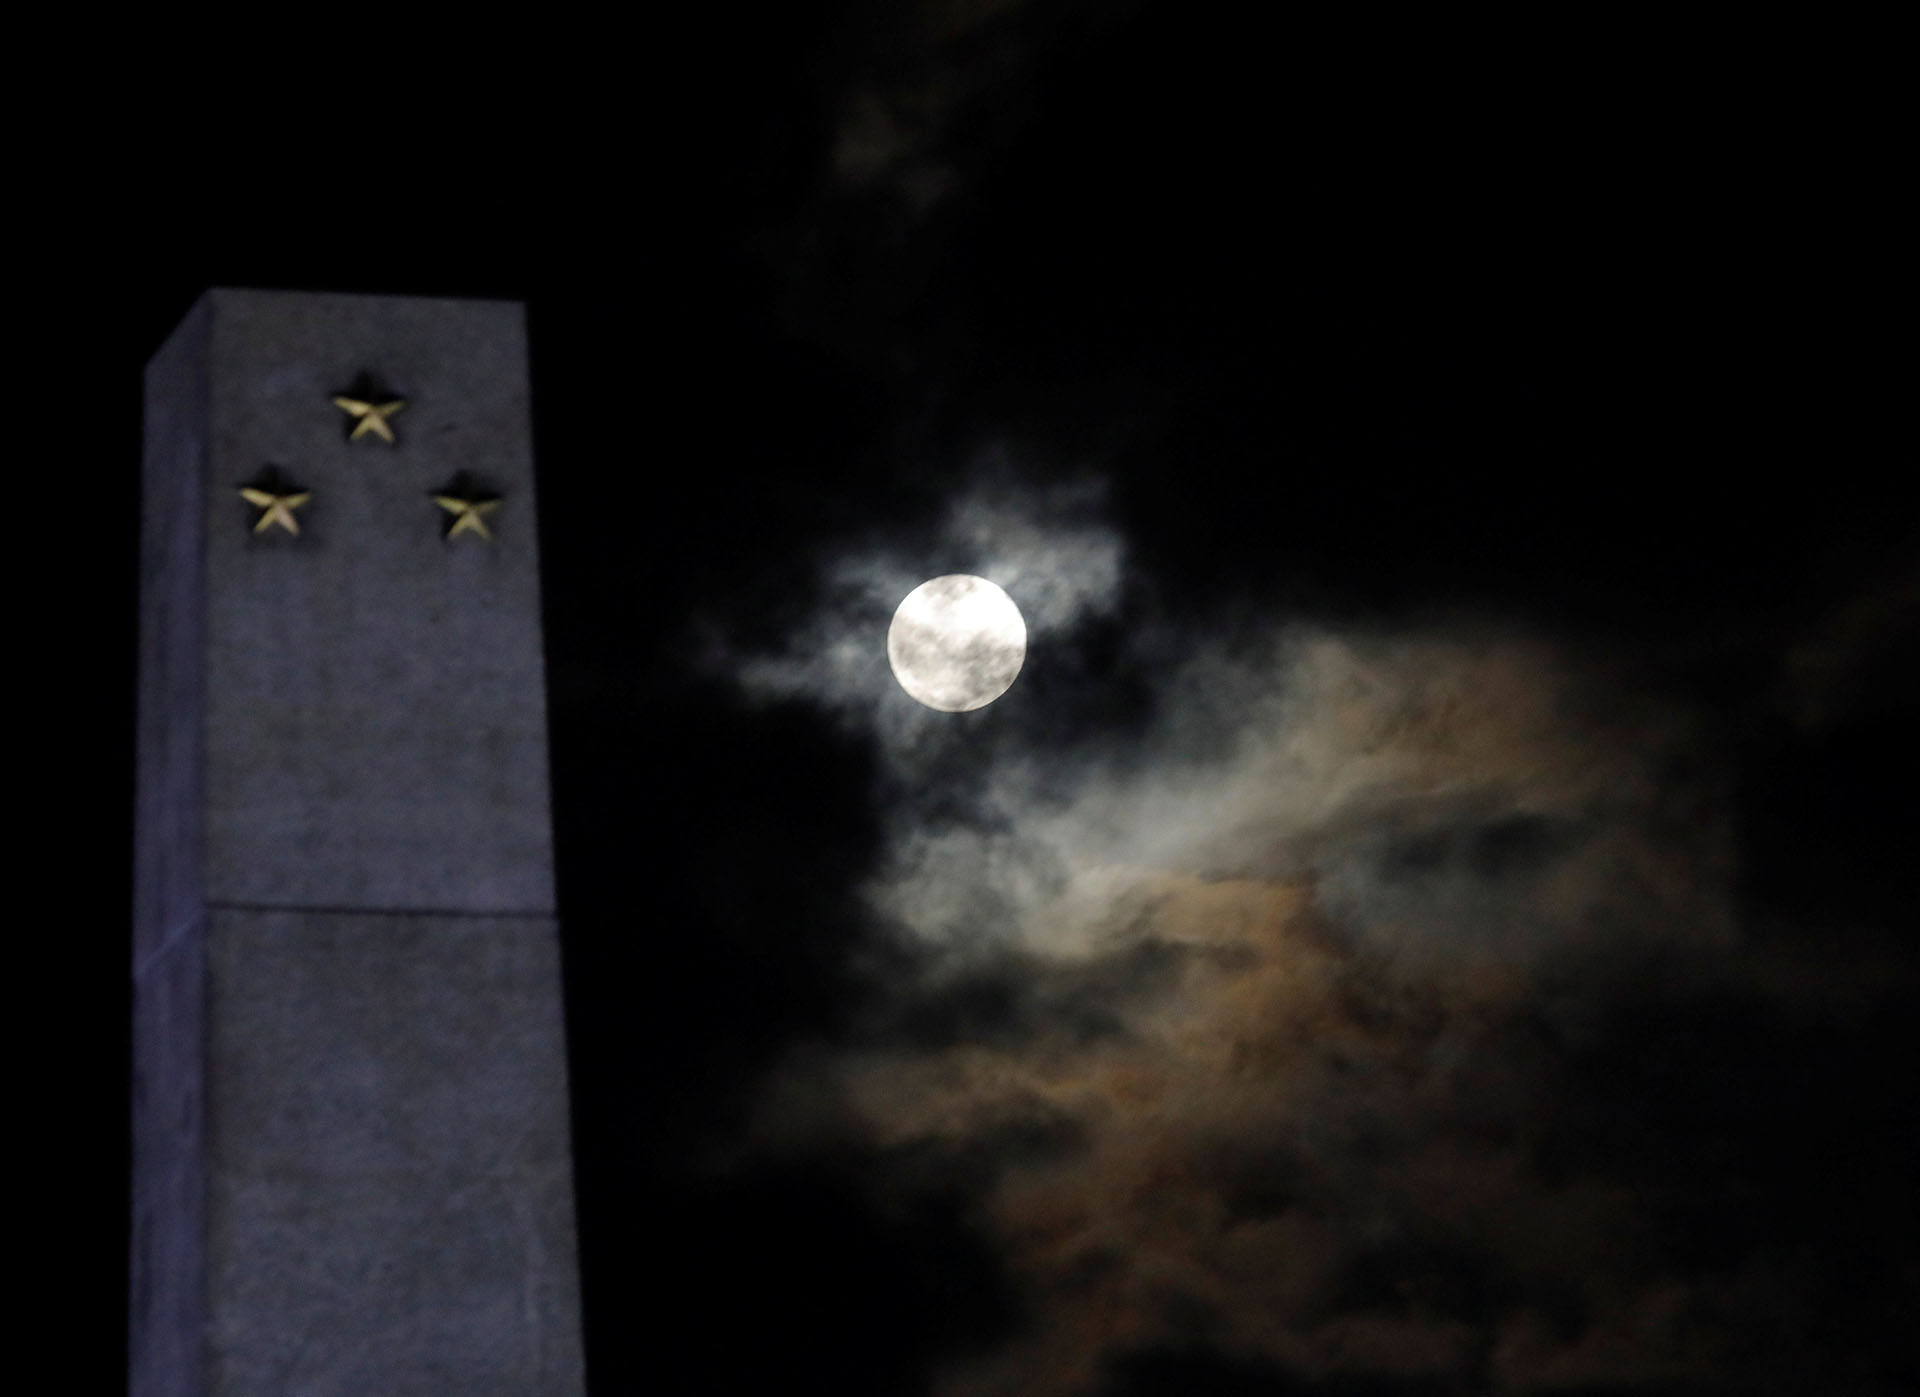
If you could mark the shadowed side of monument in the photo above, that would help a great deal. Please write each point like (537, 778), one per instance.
(352, 1164)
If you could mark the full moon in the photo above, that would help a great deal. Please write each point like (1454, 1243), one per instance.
(956, 643)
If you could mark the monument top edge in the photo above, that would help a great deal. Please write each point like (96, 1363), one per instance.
(207, 307)
(328, 294)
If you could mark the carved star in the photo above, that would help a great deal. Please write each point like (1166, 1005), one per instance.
(469, 511)
(362, 402)
(278, 506)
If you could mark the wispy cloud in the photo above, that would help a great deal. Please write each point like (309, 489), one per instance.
(1050, 549)
(1239, 1025)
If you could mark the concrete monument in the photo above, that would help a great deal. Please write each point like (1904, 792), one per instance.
(352, 1170)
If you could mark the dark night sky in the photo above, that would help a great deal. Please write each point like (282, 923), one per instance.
(1435, 913)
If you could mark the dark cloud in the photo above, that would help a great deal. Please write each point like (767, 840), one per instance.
(1408, 928)
(1166, 1371)
(1373, 1013)
(1859, 657)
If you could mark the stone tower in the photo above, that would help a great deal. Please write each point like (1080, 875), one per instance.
(352, 1169)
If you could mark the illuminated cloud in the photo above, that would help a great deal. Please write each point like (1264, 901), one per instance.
(1237, 1029)
(1050, 549)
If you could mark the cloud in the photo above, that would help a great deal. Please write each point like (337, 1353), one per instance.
(1448, 795)
(1049, 548)
(895, 122)
(1848, 663)
(1253, 1026)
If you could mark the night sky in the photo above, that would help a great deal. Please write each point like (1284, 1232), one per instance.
(1434, 914)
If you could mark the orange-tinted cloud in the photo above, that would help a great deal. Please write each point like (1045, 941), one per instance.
(1265, 1015)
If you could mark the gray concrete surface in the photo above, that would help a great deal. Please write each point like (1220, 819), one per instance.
(378, 734)
(389, 1197)
(352, 1168)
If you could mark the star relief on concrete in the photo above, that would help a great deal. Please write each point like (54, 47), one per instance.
(468, 505)
(368, 408)
(276, 500)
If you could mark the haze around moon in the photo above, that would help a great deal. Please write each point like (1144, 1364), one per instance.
(956, 643)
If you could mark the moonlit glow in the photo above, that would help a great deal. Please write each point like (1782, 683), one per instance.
(956, 643)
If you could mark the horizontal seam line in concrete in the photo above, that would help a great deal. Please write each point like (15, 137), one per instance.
(357, 911)
(148, 961)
